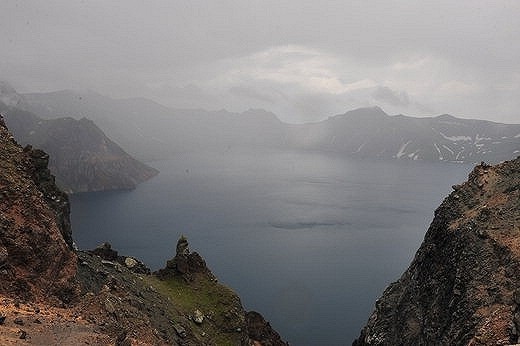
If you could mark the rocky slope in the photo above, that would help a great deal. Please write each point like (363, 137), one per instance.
(462, 287)
(52, 294)
(81, 156)
(371, 133)
(34, 227)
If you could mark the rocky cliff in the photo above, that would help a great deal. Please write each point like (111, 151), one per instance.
(81, 156)
(54, 295)
(462, 287)
(36, 257)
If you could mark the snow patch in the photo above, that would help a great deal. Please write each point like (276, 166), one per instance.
(439, 151)
(447, 148)
(402, 149)
(455, 138)
(478, 138)
(360, 147)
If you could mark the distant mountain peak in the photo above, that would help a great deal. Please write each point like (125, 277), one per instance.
(374, 112)
(367, 111)
(261, 113)
(446, 117)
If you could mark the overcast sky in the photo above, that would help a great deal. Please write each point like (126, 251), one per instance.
(303, 60)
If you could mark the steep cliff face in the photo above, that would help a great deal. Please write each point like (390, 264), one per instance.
(81, 156)
(462, 287)
(36, 257)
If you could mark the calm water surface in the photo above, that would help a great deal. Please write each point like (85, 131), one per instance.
(309, 240)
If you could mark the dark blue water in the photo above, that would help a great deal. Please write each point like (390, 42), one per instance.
(309, 240)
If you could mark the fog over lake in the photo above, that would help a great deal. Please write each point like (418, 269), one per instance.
(308, 239)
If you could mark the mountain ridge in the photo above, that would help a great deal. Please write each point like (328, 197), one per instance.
(364, 133)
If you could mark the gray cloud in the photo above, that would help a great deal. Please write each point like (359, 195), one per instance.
(458, 57)
(387, 95)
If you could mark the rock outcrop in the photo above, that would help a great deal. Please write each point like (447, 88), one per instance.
(237, 326)
(185, 263)
(261, 332)
(36, 256)
(462, 287)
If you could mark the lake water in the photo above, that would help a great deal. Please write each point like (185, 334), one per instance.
(307, 239)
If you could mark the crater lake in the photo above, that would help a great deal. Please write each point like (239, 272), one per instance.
(310, 240)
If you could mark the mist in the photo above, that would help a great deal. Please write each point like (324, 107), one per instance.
(301, 146)
(303, 61)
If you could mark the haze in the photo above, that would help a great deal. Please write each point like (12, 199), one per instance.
(303, 60)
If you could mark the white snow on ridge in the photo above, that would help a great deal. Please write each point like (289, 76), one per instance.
(414, 155)
(402, 149)
(439, 151)
(478, 138)
(360, 147)
(447, 148)
(456, 138)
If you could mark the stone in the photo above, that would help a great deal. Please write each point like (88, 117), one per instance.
(106, 252)
(2, 320)
(108, 263)
(18, 321)
(182, 247)
(109, 307)
(198, 317)
(179, 330)
(130, 262)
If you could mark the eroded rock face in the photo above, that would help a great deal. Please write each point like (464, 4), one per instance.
(261, 332)
(185, 263)
(36, 257)
(58, 200)
(106, 253)
(462, 286)
(82, 157)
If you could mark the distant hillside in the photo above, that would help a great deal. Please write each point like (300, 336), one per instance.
(82, 157)
(150, 130)
(371, 133)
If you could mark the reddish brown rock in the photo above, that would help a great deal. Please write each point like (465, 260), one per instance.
(36, 259)
(462, 287)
